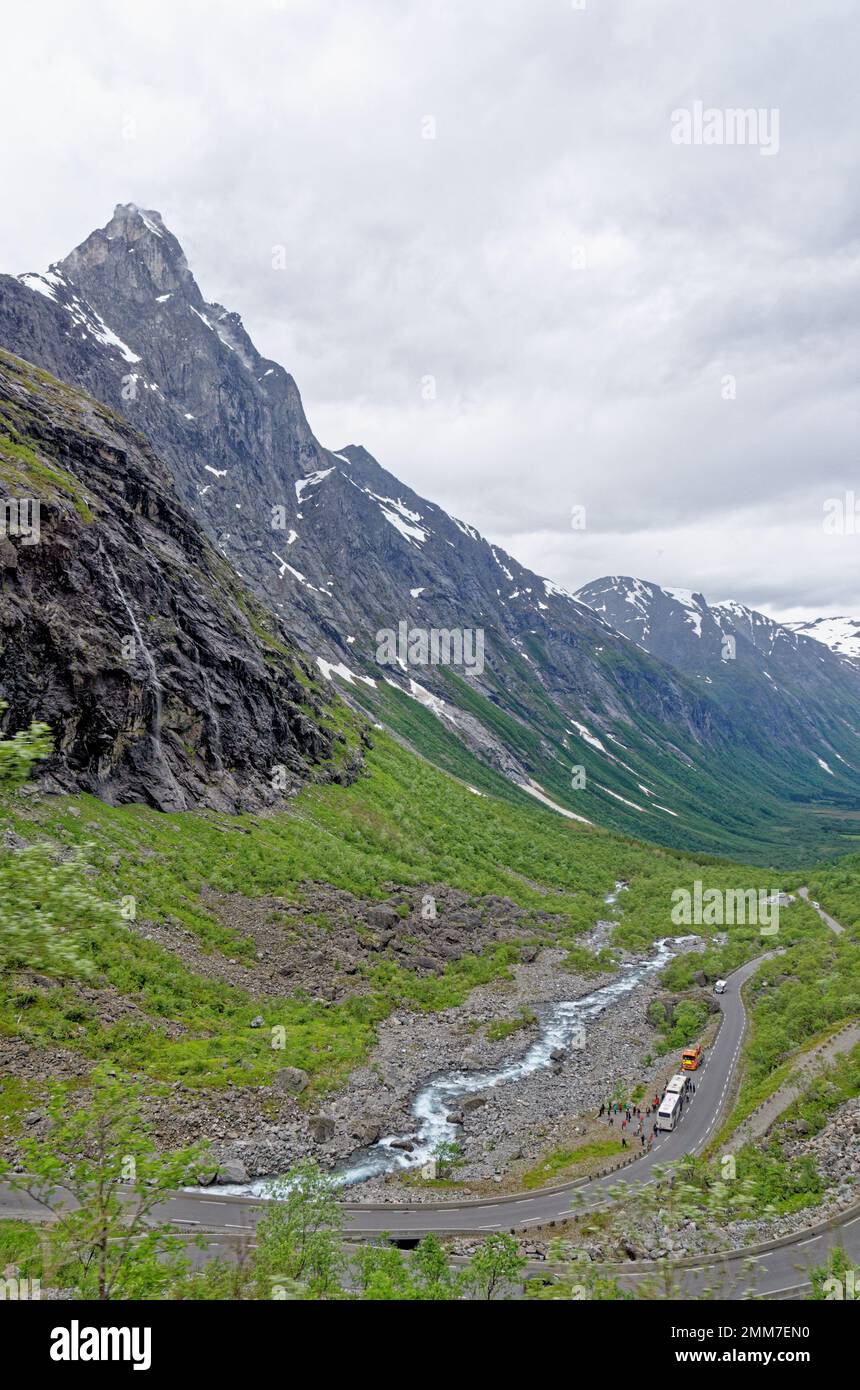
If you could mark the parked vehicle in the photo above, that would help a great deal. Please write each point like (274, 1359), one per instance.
(679, 1085)
(670, 1111)
(720, 987)
(691, 1057)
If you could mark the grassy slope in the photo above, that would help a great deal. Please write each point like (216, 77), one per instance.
(735, 805)
(402, 822)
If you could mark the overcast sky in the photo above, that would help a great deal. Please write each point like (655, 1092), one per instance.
(578, 285)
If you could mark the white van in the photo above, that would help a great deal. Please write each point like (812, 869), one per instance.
(670, 1110)
(720, 987)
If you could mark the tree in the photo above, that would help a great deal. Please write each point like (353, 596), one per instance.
(101, 1179)
(495, 1268)
(48, 914)
(432, 1274)
(18, 753)
(686, 1192)
(382, 1275)
(838, 1280)
(47, 911)
(447, 1153)
(298, 1237)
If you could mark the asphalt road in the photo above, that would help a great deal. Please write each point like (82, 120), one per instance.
(831, 922)
(775, 1271)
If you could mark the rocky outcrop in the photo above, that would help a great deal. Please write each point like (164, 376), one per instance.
(340, 549)
(122, 627)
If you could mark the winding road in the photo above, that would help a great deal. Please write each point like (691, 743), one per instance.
(779, 1267)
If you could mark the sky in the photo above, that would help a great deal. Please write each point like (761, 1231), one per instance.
(516, 248)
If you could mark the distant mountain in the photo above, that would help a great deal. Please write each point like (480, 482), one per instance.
(341, 551)
(792, 690)
(841, 635)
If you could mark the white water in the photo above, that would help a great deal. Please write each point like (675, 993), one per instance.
(154, 682)
(562, 1027)
(155, 689)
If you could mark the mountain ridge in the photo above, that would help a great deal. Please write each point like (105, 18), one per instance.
(340, 549)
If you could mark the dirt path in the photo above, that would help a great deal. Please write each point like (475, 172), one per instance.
(760, 1121)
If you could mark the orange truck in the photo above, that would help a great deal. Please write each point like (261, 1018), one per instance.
(691, 1057)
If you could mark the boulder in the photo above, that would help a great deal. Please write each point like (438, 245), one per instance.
(322, 1129)
(366, 1128)
(473, 1103)
(383, 917)
(232, 1170)
(290, 1079)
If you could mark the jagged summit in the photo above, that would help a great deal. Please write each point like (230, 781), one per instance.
(159, 265)
(340, 548)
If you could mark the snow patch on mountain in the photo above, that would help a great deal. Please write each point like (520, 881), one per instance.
(540, 795)
(331, 668)
(841, 635)
(312, 480)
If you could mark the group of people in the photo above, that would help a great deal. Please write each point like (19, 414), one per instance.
(633, 1117)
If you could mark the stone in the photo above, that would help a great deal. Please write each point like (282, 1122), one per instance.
(232, 1170)
(290, 1079)
(322, 1129)
(473, 1103)
(383, 917)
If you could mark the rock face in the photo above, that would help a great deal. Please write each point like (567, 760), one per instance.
(342, 550)
(160, 675)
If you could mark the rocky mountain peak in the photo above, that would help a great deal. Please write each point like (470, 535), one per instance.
(134, 257)
(340, 549)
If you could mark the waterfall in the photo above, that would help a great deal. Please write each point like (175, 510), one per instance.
(155, 687)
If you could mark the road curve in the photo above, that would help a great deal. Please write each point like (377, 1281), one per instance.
(778, 1269)
(519, 1211)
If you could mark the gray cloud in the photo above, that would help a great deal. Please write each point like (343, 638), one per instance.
(300, 126)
